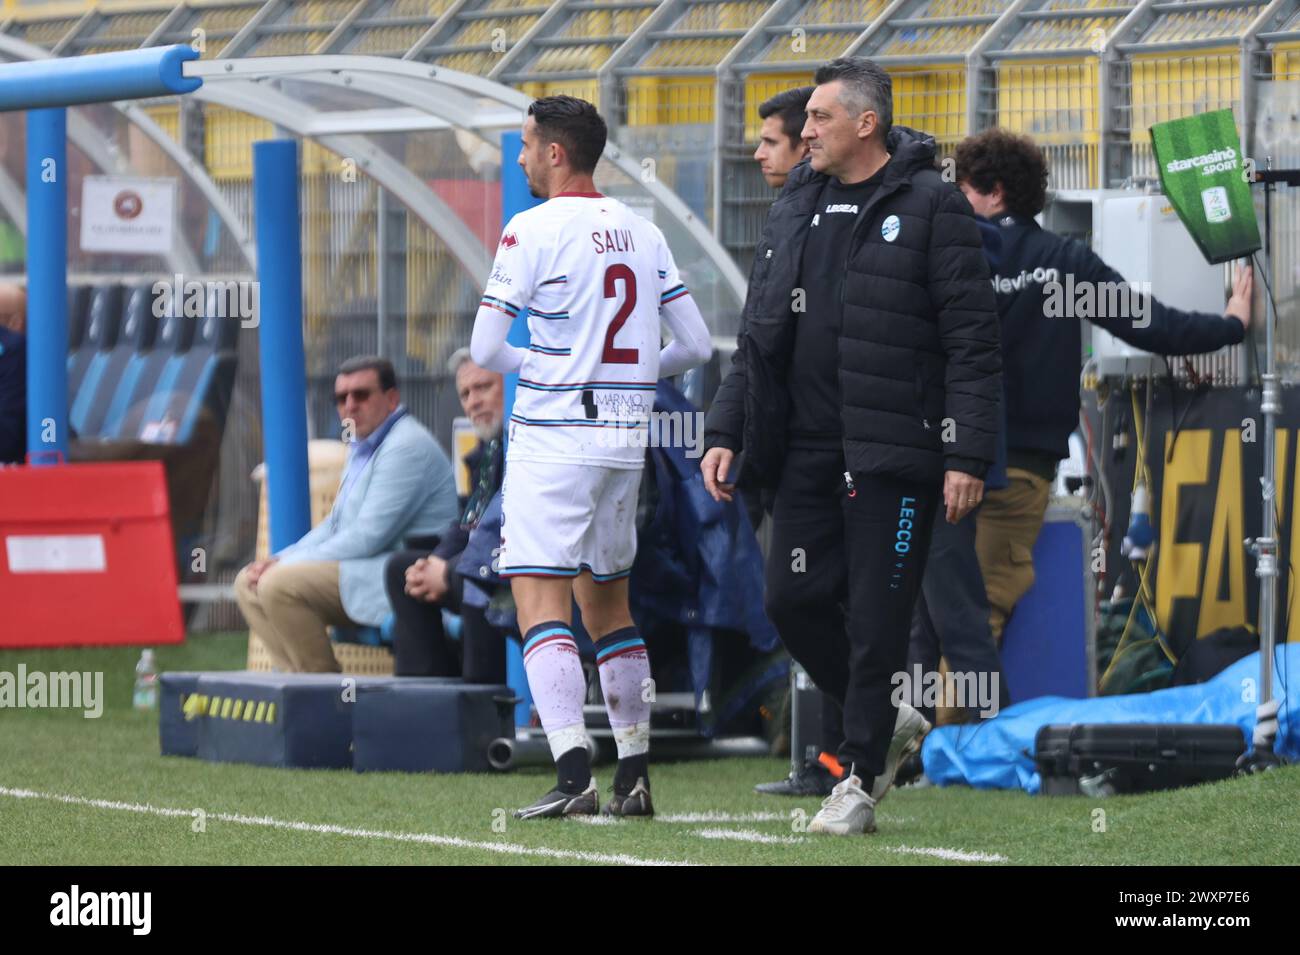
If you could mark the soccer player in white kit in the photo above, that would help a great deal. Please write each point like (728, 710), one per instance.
(597, 280)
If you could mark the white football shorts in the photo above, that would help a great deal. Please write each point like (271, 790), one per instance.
(560, 519)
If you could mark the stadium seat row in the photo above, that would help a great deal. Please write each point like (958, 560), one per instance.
(136, 375)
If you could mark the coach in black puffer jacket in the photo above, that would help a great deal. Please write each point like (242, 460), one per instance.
(865, 392)
(918, 343)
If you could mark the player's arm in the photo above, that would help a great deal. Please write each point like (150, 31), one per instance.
(508, 292)
(488, 346)
(691, 345)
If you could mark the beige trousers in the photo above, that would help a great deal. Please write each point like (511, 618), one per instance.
(289, 611)
(1008, 524)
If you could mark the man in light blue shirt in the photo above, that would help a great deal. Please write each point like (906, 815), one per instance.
(398, 485)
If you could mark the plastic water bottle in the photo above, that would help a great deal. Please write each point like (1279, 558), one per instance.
(146, 683)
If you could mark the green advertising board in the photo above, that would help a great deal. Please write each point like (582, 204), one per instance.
(1202, 173)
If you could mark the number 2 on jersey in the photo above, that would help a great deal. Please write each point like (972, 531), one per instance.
(612, 355)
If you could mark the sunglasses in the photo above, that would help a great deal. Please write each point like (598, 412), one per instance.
(360, 395)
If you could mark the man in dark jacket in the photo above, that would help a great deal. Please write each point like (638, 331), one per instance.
(13, 375)
(420, 584)
(1005, 178)
(780, 148)
(872, 266)
(13, 397)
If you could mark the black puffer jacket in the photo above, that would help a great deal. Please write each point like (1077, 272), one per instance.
(919, 335)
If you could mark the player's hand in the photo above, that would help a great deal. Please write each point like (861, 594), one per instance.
(962, 493)
(716, 467)
(256, 569)
(426, 579)
(1243, 294)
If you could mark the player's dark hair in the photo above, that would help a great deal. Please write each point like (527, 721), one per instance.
(789, 105)
(866, 86)
(381, 366)
(574, 124)
(1000, 156)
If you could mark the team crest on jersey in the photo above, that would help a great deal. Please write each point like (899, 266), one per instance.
(508, 241)
(890, 228)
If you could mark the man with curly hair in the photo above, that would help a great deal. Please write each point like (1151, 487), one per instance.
(1004, 176)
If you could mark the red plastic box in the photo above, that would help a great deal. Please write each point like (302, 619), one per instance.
(86, 556)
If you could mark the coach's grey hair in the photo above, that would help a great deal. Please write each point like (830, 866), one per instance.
(866, 86)
(458, 358)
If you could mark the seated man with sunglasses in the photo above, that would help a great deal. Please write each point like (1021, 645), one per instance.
(397, 490)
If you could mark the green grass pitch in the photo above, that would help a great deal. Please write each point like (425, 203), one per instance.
(77, 791)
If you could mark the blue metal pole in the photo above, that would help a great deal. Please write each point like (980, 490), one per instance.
(47, 286)
(515, 198)
(97, 78)
(283, 366)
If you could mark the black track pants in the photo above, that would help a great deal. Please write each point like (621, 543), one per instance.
(842, 579)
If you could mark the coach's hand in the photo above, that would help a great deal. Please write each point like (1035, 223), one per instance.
(716, 467)
(962, 493)
(426, 579)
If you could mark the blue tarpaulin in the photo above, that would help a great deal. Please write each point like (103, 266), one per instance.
(999, 753)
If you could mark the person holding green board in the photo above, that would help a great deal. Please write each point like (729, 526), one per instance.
(1044, 283)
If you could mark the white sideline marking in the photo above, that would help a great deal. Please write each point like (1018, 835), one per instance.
(505, 848)
(714, 816)
(748, 835)
(695, 818)
(955, 855)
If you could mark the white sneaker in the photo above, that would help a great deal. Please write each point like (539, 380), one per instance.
(846, 811)
(909, 731)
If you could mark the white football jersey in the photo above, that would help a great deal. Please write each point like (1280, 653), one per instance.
(592, 274)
